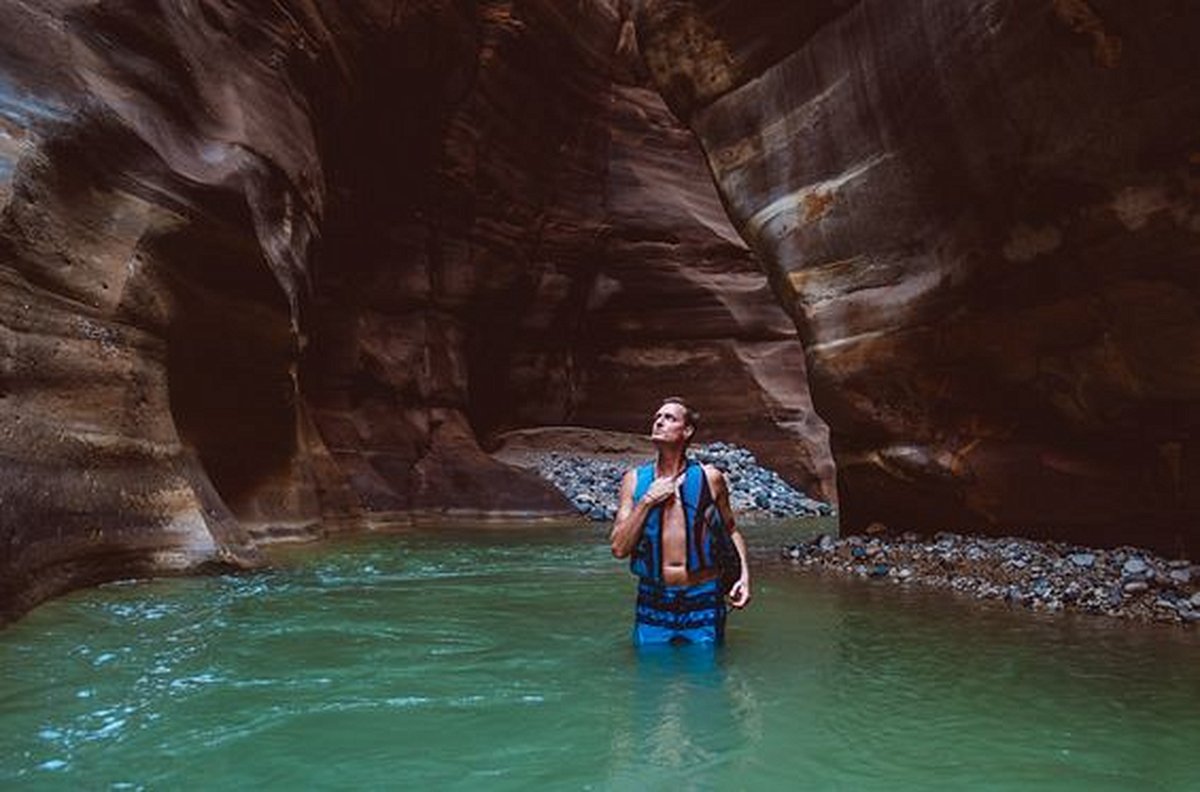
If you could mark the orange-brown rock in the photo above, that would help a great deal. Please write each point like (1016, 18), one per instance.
(985, 219)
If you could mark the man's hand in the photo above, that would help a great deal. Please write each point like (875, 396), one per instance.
(662, 489)
(739, 593)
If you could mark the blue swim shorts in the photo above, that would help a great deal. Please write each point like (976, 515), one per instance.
(679, 614)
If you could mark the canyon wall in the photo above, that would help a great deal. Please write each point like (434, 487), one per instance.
(984, 217)
(274, 271)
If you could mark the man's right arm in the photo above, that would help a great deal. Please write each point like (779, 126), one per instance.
(627, 527)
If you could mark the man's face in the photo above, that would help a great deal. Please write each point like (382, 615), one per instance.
(670, 424)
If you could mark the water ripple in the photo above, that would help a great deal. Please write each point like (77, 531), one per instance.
(503, 659)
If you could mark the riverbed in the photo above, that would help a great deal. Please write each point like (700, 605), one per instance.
(499, 659)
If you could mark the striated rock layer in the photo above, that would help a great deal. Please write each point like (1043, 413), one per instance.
(274, 271)
(985, 219)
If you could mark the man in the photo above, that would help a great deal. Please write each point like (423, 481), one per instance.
(672, 519)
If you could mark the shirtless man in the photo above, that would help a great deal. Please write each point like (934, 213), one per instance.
(671, 517)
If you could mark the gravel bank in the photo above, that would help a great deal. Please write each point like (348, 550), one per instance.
(592, 483)
(1124, 582)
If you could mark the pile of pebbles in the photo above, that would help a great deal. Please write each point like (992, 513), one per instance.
(1124, 582)
(592, 484)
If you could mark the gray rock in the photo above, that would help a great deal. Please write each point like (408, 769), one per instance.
(1135, 586)
(1135, 566)
(1083, 560)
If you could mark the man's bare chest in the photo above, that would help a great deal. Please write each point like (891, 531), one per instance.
(674, 526)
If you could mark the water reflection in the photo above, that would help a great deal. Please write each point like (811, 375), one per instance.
(689, 710)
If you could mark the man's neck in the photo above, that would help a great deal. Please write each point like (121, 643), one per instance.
(671, 461)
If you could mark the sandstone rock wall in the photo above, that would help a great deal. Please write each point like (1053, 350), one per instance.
(162, 186)
(984, 218)
(270, 270)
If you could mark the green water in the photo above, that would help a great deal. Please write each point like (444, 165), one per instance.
(500, 660)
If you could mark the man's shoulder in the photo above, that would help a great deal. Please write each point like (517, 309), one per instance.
(714, 474)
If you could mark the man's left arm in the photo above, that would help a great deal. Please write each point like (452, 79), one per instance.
(739, 594)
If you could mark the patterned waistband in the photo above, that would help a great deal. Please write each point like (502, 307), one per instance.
(680, 598)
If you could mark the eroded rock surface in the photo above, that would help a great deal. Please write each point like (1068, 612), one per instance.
(985, 218)
(270, 270)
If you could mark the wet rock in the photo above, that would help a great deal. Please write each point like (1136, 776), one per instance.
(946, 541)
(1164, 603)
(1135, 567)
(1083, 560)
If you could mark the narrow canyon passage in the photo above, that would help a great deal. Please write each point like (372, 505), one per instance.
(359, 247)
(270, 272)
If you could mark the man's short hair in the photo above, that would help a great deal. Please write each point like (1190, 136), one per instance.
(690, 417)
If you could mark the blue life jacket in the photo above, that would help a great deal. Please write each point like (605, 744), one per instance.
(702, 519)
